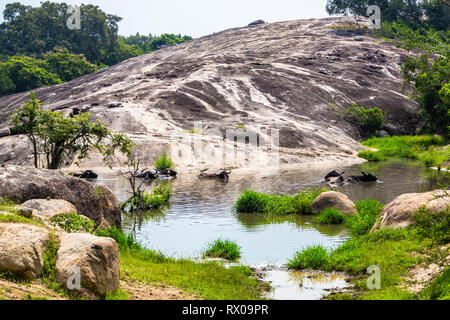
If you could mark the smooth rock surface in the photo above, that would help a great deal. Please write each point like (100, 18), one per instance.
(295, 76)
(97, 259)
(23, 183)
(397, 214)
(22, 248)
(48, 209)
(335, 200)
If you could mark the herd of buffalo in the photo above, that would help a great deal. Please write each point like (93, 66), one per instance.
(334, 178)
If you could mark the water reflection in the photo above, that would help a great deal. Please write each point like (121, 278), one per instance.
(201, 210)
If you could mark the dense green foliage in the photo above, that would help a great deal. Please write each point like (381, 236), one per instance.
(225, 249)
(255, 202)
(410, 12)
(331, 216)
(125, 242)
(164, 162)
(368, 212)
(433, 225)
(370, 120)
(57, 137)
(72, 222)
(430, 150)
(151, 43)
(439, 289)
(38, 49)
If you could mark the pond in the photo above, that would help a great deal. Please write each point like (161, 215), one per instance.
(201, 210)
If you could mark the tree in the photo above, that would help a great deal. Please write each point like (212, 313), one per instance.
(410, 12)
(57, 137)
(7, 86)
(26, 121)
(28, 73)
(66, 65)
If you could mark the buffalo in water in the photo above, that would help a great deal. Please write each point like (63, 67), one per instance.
(157, 174)
(366, 177)
(223, 176)
(88, 174)
(335, 178)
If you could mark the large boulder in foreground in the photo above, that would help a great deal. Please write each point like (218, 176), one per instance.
(96, 258)
(335, 200)
(398, 213)
(23, 184)
(22, 248)
(47, 209)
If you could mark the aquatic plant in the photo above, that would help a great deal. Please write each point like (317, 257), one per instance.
(315, 257)
(164, 162)
(148, 201)
(255, 202)
(225, 249)
(331, 216)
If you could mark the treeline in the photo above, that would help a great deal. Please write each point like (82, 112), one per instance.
(38, 49)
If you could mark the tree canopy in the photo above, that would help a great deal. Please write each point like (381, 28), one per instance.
(415, 13)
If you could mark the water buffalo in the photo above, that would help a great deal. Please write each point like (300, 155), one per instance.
(333, 174)
(88, 174)
(223, 176)
(366, 177)
(148, 175)
(167, 173)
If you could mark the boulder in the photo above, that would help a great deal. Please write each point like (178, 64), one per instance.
(22, 248)
(47, 209)
(24, 183)
(96, 258)
(335, 200)
(397, 214)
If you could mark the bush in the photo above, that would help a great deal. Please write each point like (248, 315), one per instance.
(331, 216)
(439, 289)
(370, 120)
(225, 249)
(125, 242)
(164, 162)
(72, 222)
(149, 201)
(315, 257)
(432, 225)
(368, 212)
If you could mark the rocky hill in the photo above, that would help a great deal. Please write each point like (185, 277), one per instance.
(295, 76)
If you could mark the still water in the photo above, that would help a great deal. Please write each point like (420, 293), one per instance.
(201, 211)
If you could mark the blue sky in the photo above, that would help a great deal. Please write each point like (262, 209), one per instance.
(196, 17)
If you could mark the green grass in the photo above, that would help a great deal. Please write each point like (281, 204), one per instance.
(125, 242)
(372, 155)
(331, 216)
(427, 149)
(256, 202)
(49, 259)
(72, 222)
(208, 280)
(439, 289)
(164, 162)
(394, 251)
(368, 212)
(314, 257)
(225, 249)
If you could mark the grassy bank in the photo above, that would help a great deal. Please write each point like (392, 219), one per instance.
(206, 280)
(395, 252)
(430, 150)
